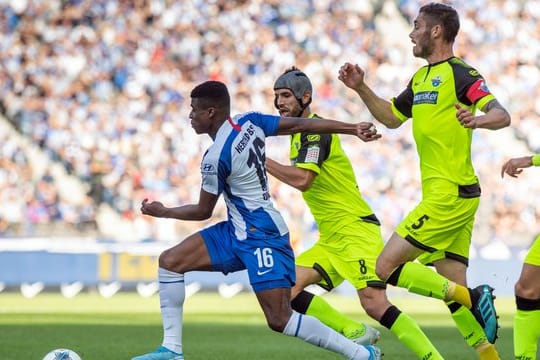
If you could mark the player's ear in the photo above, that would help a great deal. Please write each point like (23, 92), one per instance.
(437, 31)
(306, 99)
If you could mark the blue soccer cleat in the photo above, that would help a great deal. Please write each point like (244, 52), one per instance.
(161, 353)
(375, 352)
(483, 309)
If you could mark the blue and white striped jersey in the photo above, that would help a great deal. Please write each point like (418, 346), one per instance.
(235, 165)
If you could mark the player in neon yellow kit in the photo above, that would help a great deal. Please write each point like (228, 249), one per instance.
(527, 289)
(350, 238)
(441, 98)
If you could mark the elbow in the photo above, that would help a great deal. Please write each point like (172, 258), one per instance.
(203, 215)
(304, 186)
(392, 122)
(504, 122)
(207, 215)
(507, 120)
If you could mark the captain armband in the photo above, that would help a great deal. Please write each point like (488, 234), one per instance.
(536, 160)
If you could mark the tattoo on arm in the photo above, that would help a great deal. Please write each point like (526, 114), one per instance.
(493, 104)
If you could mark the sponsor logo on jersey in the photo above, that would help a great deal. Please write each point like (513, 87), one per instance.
(312, 155)
(425, 97)
(314, 137)
(436, 81)
(473, 73)
(208, 169)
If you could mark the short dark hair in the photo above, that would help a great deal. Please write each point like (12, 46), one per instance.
(212, 93)
(444, 15)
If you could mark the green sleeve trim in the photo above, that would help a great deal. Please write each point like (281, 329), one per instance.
(483, 101)
(309, 166)
(536, 160)
(397, 113)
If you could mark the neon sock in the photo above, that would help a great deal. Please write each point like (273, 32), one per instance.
(472, 332)
(487, 351)
(460, 294)
(322, 310)
(420, 279)
(526, 333)
(172, 292)
(467, 325)
(409, 333)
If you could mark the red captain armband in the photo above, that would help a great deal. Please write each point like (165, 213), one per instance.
(477, 91)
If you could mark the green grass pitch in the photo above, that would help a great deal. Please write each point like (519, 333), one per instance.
(215, 328)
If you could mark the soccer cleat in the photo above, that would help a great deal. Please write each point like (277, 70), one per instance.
(483, 309)
(365, 336)
(161, 353)
(375, 352)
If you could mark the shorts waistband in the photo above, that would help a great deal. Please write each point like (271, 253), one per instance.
(441, 186)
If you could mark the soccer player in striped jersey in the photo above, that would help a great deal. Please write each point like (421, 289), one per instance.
(254, 237)
(527, 289)
(441, 98)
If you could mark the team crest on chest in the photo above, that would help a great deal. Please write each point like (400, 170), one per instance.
(436, 81)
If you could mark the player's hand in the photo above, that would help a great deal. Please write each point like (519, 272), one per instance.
(351, 75)
(515, 166)
(367, 131)
(466, 117)
(154, 208)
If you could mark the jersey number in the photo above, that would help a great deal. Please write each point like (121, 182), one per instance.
(420, 222)
(264, 257)
(363, 268)
(257, 159)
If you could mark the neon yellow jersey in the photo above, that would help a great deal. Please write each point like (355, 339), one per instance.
(333, 198)
(443, 144)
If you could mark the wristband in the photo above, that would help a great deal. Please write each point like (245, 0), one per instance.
(536, 160)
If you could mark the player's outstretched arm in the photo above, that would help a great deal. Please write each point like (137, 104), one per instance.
(353, 77)
(515, 166)
(200, 211)
(292, 125)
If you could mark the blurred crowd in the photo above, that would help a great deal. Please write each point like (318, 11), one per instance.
(102, 87)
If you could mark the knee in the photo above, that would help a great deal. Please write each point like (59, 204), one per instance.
(383, 269)
(375, 303)
(277, 323)
(168, 262)
(526, 292)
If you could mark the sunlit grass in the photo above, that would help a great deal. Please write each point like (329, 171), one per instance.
(215, 328)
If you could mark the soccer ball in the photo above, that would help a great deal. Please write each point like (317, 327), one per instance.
(62, 354)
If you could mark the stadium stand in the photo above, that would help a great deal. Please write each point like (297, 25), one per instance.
(97, 91)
